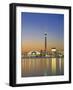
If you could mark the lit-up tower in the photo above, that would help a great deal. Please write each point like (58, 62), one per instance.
(45, 42)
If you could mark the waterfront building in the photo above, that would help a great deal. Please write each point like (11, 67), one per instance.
(33, 53)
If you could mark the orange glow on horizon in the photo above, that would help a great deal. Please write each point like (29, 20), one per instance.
(26, 47)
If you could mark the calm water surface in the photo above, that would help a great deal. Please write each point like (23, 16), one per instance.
(42, 67)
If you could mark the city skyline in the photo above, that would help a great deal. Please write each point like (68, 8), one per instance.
(34, 25)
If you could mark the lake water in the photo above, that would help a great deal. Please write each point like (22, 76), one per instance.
(31, 67)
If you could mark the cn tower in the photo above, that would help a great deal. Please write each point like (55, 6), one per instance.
(45, 42)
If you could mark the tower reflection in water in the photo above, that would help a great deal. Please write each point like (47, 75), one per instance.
(31, 67)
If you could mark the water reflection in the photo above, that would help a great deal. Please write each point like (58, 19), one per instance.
(53, 65)
(42, 67)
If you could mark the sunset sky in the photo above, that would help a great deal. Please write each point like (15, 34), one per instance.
(33, 27)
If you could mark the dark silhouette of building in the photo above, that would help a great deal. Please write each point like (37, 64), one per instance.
(45, 42)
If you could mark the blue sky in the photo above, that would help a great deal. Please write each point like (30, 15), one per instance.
(34, 25)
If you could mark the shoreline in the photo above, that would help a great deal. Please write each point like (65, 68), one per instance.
(42, 57)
